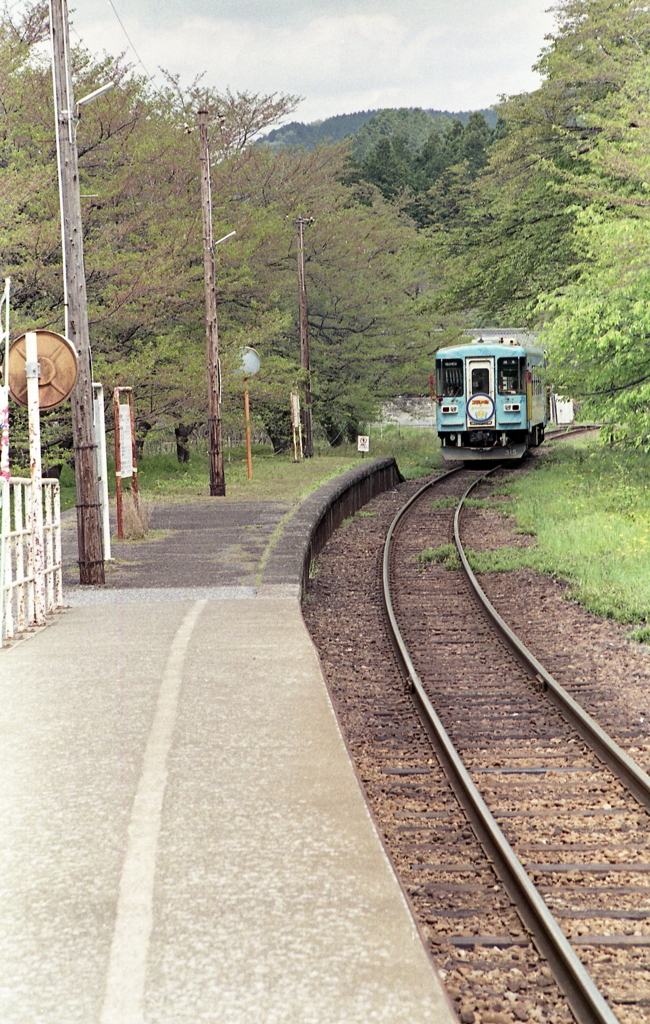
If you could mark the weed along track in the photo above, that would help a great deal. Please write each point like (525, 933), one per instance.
(580, 841)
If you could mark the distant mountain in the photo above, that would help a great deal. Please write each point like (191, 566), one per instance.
(342, 126)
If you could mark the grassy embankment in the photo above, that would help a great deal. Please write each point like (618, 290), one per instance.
(589, 509)
(275, 477)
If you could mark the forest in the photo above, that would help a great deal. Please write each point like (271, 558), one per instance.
(422, 226)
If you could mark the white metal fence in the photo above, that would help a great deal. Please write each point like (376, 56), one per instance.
(31, 583)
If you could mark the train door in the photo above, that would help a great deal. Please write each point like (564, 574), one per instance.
(479, 381)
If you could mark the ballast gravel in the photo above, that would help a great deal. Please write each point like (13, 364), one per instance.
(608, 672)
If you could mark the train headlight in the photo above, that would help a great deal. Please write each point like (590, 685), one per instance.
(452, 437)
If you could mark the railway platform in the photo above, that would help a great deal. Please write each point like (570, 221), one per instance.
(185, 838)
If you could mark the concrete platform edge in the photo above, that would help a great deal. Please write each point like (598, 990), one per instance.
(304, 537)
(308, 530)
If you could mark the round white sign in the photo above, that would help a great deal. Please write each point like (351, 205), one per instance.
(480, 408)
(250, 361)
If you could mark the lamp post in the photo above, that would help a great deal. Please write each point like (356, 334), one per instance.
(250, 364)
(89, 512)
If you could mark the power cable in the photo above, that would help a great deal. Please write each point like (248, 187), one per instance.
(140, 61)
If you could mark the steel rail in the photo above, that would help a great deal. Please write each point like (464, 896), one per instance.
(585, 1000)
(625, 769)
(560, 435)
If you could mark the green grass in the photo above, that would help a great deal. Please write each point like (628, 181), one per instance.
(416, 449)
(478, 503)
(68, 492)
(589, 508)
(445, 554)
(275, 477)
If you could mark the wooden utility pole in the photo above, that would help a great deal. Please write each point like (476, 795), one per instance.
(89, 511)
(217, 477)
(308, 443)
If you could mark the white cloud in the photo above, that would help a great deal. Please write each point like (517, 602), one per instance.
(444, 55)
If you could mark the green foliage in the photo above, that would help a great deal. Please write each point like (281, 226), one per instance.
(478, 503)
(641, 635)
(445, 554)
(597, 325)
(363, 272)
(552, 230)
(345, 126)
(590, 509)
(275, 478)
(139, 172)
(599, 328)
(416, 449)
(506, 559)
(412, 125)
(504, 234)
(308, 136)
(404, 153)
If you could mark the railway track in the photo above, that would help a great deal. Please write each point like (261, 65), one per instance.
(569, 824)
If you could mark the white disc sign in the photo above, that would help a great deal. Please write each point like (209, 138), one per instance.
(250, 361)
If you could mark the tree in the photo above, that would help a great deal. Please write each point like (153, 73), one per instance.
(597, 326)
(365, 279)
(411, 124)
(405, 164)
(139, 173)
(139, 183)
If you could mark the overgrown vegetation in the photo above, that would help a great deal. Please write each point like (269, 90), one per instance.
(445, 554)
(589, 508)
(275, 477)
(139, 172)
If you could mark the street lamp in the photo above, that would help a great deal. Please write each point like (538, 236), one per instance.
(93, 95)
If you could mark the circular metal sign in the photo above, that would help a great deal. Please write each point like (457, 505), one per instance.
(480, 408)
(57, 360)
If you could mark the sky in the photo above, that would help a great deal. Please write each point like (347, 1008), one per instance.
(341, 56)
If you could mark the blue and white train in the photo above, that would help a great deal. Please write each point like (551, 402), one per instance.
(490, 396)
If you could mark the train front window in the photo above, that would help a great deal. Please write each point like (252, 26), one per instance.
(450, 381)
(510, 375)
(480, 380)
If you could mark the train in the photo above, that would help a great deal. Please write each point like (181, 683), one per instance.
(490, 396)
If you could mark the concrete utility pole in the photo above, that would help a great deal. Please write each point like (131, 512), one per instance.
(89, 512)
(308, 441)
(217, 476)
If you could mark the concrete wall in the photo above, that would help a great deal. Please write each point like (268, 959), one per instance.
(409, 412)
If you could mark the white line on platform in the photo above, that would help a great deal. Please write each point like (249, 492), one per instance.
(124, 998)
